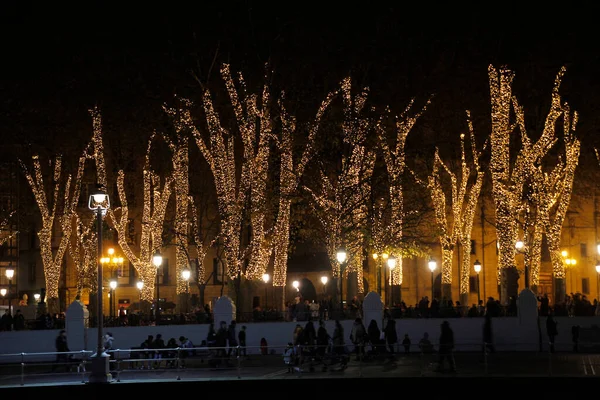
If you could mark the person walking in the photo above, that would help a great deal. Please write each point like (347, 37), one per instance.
(61, 348)
(446, 347)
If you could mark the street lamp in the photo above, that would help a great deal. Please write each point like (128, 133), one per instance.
(10, 272)
(113, 300)
(522, 249)
(157, 261)
(99, 203)
(296, 285)
(186, 274)
(36, 297)
(341, 258)
(477, 268)
(391, 263)
(140, 286)
(432, 266)
(266, 277)
(3, 292)
(324, 280)
(598, 281)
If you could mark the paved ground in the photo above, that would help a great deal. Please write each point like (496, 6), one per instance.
(272, 368)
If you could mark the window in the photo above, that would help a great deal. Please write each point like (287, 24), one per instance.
(218, 272)
(583, 250)
(585, 285)
(473, 248)
(32, 275)
(472, 284)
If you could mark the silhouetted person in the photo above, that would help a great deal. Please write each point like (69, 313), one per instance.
(551, 330)
(575, 337)
(488, 338)
(446, 347)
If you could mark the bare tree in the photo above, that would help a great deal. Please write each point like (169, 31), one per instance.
(155, 200)
(49, 210)
(341, 202)
(394, 157)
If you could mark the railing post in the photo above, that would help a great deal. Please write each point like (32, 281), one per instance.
(422, 356)
(485, 358)
(239, 363)
(118, 369)
(22, 369)
(81, 368)
(550, 360)
(178, 364)
(361, 352)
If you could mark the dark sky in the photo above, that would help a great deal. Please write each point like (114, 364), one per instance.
(58, 63)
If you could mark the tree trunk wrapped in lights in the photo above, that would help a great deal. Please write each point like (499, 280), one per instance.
(546, 196)
(508, 177)
(180, 161)
(395, 162)
(52, 261)
(464, 198)
(155, 200)
(233, 188)
(556, 211)
(341, 204)
(289, 179)
(83, 251)
(467, 213)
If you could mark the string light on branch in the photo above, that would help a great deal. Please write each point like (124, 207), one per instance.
(289, 178)
(155, 200)
(395, 163)
(180, 162)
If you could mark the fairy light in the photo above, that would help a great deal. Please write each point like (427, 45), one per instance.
(180, 161)
(4, 227)
(395, 163)
(201, 248)
(52, 261)
(83, 252)
(548, 195)
(470, 196)
(340, 204)
(155, 200)
(564, 190)
(289, 179)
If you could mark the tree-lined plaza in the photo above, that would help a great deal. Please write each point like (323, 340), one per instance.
(272, 173)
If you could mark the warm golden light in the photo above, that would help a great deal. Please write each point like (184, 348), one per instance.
(10, 273)
(477, 266)
(111, 251)
(324, 280)
(564, 253)
(3, 292)
(139, 285)
(375, 255)
(296, 284)
(113, 284)
(186, 274)
(391, 262)
(432, 265)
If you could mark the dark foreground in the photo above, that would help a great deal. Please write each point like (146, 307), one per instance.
(431, 386)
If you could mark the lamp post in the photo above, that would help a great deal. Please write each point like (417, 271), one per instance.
(477, 268)
(391, 262)
(266, 277)
(324, 281)
(140, 286)
(99, 203)
(186, 274)
(157, 261)
(341, 258)
(113, 300)
(10, 272)
(378, 266)
(432, 266)
(522, 249)
(598, 281)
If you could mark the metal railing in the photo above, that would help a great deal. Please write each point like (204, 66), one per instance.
(248, 362)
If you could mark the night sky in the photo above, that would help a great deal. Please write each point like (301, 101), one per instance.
(59, 63)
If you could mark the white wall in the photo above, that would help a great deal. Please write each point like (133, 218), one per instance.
(508, 334)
